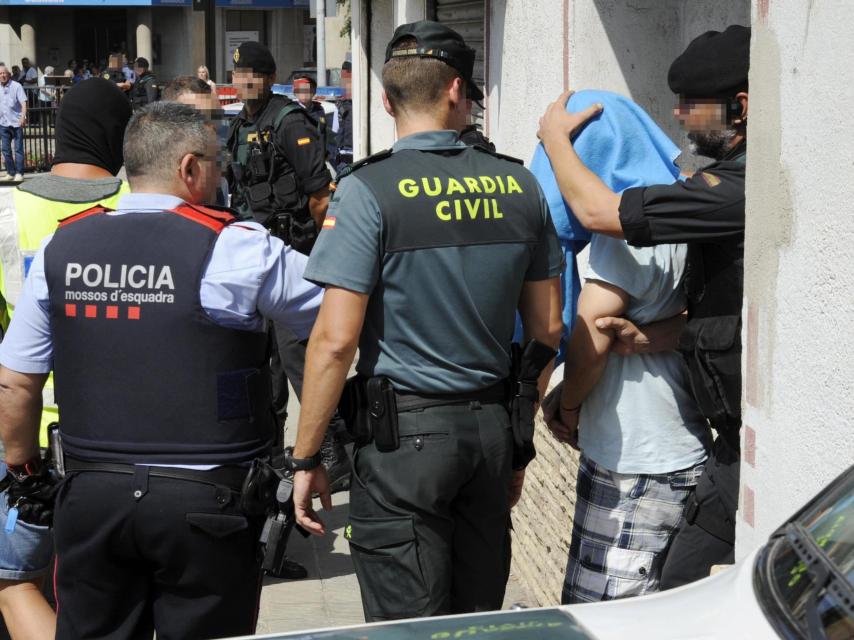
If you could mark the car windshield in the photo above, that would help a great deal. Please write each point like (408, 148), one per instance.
(811, 567)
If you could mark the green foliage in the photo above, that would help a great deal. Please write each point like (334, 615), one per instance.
(345, 30)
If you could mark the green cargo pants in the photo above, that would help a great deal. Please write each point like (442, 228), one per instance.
(429, 523)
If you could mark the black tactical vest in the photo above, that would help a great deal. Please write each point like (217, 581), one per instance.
(143, 375)
(265, 183)
(711, 341)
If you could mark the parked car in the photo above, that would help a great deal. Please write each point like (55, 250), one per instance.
(798, 585)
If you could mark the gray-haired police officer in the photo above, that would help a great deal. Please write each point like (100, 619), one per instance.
(427, 252)
(152, 318)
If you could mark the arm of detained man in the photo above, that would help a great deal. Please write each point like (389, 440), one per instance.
(330, 353)
(303, 147)
(592, 202)
(655, 337)
(586, 357)
(20, 414)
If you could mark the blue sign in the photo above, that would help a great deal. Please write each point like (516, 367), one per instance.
(98, 3)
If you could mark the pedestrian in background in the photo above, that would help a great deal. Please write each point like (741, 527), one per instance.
(13, 117)
(412, 247)
(205, 76)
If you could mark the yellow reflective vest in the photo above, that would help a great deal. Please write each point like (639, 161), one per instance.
(25, 221)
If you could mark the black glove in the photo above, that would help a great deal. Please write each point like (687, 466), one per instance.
(32, 493)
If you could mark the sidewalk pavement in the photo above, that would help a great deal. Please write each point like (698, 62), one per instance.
(330, 596)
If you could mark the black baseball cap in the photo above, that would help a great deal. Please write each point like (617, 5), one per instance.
(255, 56)
(715, 64)
(435, 40)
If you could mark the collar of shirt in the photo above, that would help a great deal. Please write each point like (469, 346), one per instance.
(148, 202)
(441, 139)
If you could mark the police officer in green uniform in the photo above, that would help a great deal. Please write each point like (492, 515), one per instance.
(427, 252)
(705, 211)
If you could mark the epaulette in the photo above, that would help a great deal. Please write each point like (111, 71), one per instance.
(350, 168)
(483, 149)
(214, 217)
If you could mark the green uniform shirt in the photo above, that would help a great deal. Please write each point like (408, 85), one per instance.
(444, 277)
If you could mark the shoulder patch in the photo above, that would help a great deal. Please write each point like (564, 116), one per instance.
(484, 149)
(364, 162)
(711, 179)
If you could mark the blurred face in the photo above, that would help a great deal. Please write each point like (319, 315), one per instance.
(209, 105)
(202, 73)
(346, 84)
(115, 62)
(139, 70)
(705, 121)
(303, 93)
(5, 75)
(201, 171)
(251, 85)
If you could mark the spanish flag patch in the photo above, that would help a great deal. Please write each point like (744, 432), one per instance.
(303, 141)
(711, 179)
(329, 222)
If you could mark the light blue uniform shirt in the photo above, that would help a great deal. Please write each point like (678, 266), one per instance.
(250, 276)
(12, 96)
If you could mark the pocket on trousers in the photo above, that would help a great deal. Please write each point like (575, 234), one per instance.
(218, 525)
(628, 572)
(385, 552)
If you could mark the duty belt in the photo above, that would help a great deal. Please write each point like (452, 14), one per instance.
(229, 476)
(411, 401)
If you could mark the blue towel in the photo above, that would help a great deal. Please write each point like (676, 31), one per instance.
(625, 148)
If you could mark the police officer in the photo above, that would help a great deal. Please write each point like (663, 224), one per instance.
(707, 212)
(426, 253)
(152, 319)
(144, 89)
(89, 130)
(304, 91)
(114, 72)
(342, 122)
(279, 178)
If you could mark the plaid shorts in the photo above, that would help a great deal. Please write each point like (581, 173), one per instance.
(622, 530)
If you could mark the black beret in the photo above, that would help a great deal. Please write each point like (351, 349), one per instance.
(715, 64)
(435, 40)
(255, 56)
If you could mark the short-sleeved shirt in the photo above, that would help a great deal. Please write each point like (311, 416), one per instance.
(250, 276)
(440, 318)
(12, 97)
(641, 416)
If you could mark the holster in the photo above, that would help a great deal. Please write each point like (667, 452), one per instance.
(369, 409)
(526, 366)
(297, 230)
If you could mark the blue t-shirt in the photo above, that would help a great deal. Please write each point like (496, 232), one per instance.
(641, 416)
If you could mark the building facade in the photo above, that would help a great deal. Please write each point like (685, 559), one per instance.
(169, 33)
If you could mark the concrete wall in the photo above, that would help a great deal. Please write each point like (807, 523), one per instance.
(799, 262)
(337, 47)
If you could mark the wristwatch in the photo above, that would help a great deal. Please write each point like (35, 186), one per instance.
(301, 464)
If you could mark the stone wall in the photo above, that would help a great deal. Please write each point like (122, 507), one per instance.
(542, 521)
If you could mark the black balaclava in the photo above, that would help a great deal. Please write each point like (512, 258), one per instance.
(90, 125)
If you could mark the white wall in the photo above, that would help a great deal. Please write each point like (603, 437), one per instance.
(799, 262)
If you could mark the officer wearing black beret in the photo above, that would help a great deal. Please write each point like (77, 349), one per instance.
(706, 211)
(426, 254)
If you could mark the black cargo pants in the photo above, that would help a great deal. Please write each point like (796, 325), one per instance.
(429, 526)
(706, 535)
